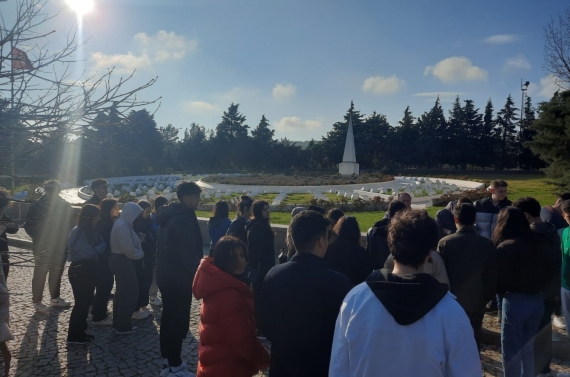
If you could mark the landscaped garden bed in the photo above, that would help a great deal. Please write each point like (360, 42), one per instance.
(297, 179)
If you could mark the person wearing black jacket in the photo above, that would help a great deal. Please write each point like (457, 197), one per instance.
(377, 236)
(446, 219)
(471, 265)
(300, 301)
(524, 272)
(345, 255)
(549, 243)
(237, 227)
(48, 223)
(9, 227)
(105, 278)
(179, 251)
(143, 226)
(260, 238)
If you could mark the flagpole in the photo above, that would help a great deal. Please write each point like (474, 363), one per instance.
(12, 111)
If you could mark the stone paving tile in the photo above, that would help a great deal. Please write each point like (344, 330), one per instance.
(39, 347)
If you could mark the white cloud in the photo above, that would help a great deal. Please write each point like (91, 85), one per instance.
(457, 68)
(199, 107)
(444, 96)
(281, 92)
(501, 39)
(296, 123)
(149, 50)
(383, 85)
(545, 89)
(518, 62)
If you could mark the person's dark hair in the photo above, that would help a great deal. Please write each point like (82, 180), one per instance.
(4, 198)
(404, 194)
(318, 209)
(463, 200)
(465, 213)
(88, 213)
(187, 188)
(412, 235)
(511, 224)
(52, 182)
(98, 182)
(528, 205)
(347, 228)
(224, 253)
(564, 196)
(159, 201)
(107, 206)
(394, 207)
(306, 228)
(257, 209)
(244, 202)
(499, 183)
(334, 215)
(565, 206)
(221, 209)
(144, 204)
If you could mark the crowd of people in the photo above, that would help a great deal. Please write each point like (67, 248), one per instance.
(409, 302)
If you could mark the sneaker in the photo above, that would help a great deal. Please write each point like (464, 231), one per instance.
(165, 371)
(41, 307)
(559, 323)
(59, 303)
(154, 300)
(104, 322)
(139, 314)
(81, 340)
(132, 330)
(181, 372)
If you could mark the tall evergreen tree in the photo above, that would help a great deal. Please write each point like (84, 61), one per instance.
(431, 124)
(262, 133)
(472, 124)
(407, 137)
(506, 123)
(232, 127)
(527, 159)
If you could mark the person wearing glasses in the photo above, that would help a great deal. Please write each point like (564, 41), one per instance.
(99, 187)
(48, 223)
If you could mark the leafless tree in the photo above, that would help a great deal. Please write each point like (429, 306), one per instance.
(41, 102)
(557, 50)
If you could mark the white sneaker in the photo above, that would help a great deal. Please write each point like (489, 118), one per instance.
(154, 300)
(559, 323)
(59, 303)
(182, 372)
(140, 315)
(165, 371)
(41, 307)
(104, 322)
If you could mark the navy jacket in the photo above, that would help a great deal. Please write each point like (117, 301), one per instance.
(300, 301)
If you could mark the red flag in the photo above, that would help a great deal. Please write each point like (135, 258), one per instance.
(20, 60)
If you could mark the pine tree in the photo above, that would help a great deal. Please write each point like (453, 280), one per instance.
(406, 137)
(262, 133)
(431, 125)
(527, 159)
(472, 124)
(232, 127)
(506, 122)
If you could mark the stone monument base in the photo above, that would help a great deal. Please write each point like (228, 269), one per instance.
(348, 168)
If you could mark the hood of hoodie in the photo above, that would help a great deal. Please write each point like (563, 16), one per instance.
(210, 279)
(407, 298)
(165, 213)
(130, 212)
(546, 231)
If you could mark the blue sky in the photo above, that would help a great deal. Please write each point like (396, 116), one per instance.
(301, 62)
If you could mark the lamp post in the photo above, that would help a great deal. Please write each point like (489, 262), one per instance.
(524, 88)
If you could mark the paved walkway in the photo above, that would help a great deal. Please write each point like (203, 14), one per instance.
(39, 347)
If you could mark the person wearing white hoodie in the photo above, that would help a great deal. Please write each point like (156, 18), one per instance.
(404, 322)
(125, 248)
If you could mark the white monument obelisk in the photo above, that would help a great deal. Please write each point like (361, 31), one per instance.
(348, 166)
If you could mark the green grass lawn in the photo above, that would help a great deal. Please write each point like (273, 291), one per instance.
(520, 185)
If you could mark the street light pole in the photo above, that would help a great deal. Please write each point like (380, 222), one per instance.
(524, 88)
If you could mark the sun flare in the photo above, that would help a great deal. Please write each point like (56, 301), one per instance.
(81, 7)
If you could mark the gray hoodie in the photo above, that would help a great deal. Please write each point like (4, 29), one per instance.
(124, 240)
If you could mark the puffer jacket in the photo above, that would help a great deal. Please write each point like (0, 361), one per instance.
(179, 248)
(124, 240)
(487, 214)
(445, 220)
(228, 344)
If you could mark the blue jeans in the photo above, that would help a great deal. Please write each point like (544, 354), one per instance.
(565, 295)
(521, 317)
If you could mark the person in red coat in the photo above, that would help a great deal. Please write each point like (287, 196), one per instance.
(228, 344)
